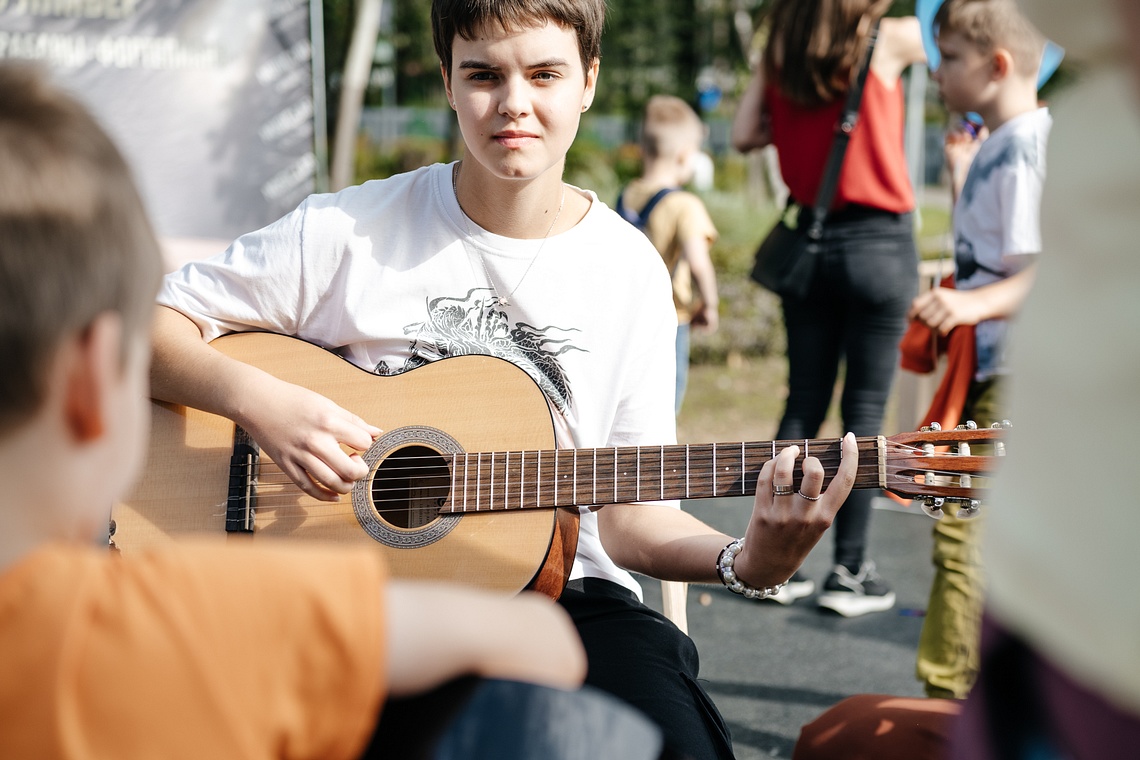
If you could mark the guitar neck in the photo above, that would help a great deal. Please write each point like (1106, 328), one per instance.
(511, 480)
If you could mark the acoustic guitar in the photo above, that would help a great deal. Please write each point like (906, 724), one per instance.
(465, 483)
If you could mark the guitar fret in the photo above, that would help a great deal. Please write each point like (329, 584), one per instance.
(637, 471)
(662, 476)
(743, 469)
(454, 466)
(714, 469)
(594, 492)
(615, 501)
(466, 470)
(575, 476)
(687, 470)
(538, 481)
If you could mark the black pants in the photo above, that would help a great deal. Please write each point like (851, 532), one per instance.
(854, 311)
(640, 656)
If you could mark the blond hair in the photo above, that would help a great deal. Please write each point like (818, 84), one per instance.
(464, 18)
(74, 237)
(671, 127)
(991, 24)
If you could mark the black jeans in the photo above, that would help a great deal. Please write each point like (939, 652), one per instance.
(640, 656)
(854, 311)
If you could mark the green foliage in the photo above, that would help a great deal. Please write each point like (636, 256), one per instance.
(648, 48)
(402, 155)
(751, 324)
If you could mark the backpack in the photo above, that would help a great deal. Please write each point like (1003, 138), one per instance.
(640, 221)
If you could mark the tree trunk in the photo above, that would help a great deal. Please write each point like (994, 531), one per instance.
(357, 68)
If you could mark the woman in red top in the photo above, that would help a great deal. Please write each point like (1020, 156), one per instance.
(867, 272)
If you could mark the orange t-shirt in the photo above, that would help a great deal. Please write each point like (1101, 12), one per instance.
(874, 171)
(192, 652)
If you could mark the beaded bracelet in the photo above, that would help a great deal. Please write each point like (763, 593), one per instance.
(724, 565)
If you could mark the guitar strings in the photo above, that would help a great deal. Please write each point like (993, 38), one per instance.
(283, 494)
(521, 459)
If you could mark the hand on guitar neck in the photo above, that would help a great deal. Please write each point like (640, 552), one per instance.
(784, 528)
(671, 544)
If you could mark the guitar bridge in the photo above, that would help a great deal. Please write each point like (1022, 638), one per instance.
(241, 501)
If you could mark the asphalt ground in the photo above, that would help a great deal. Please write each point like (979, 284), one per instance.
(770, 668)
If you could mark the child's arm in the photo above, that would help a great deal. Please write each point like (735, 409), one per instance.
(437, 633)
(696, 251)
(959, 148)
(302, 431)
(943, 309)
(751, 128)
(899, 47)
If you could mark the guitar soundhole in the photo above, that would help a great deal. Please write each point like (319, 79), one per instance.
(398, 504)
(410, 486)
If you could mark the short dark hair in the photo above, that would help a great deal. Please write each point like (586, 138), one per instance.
(75, 241)
(464, 17)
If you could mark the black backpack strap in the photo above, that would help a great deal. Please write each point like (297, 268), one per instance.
(624, 211)
(660, 194)
(640, 219)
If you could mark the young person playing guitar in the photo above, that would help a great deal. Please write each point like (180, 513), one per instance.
(198, 651)
(496, 255)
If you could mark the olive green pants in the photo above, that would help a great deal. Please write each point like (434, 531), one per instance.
(947, 662)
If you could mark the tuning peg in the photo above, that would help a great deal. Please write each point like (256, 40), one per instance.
(969, 509)
(932, 506)
(933, 427)
(970, 425)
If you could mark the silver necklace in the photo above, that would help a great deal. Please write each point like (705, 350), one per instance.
(504, 300)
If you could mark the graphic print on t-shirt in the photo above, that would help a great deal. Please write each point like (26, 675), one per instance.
(1015, 152)
(477, 325)
(997, 229)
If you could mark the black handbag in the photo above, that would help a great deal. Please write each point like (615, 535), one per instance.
(785, 261)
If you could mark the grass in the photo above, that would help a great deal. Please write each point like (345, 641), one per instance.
(741, 400)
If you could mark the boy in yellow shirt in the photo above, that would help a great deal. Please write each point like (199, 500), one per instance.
(676, 221)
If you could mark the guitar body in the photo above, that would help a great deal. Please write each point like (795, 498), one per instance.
(469, 403)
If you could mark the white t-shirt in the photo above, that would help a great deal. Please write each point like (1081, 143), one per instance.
(997, 219)
(383, 274)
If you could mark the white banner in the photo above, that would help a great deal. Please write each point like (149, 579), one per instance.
(211, 100)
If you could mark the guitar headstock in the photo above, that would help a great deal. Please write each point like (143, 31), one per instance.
(940, 467)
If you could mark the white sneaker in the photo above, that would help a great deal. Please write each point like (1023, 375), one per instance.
(798, 587)
(858, 594)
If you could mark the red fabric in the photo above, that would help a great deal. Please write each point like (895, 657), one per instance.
(874, 170)
(920, 349)
(878, 727)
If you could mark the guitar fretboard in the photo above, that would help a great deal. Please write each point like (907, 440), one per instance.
(506, 480)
